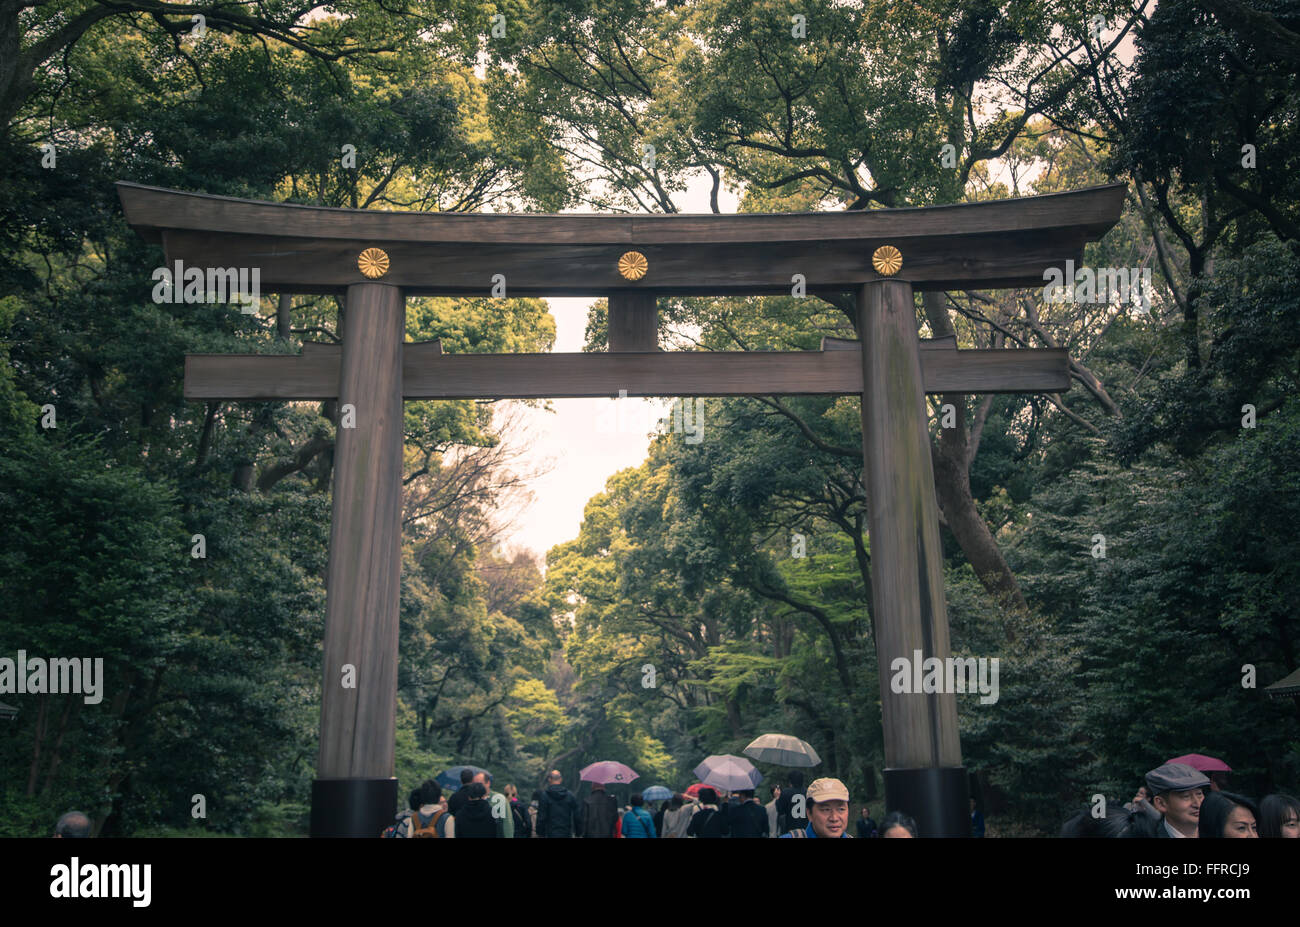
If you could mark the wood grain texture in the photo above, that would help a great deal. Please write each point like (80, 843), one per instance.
(152, 209)
(429, 374)
(364, 580)
(305, 249)
(541, 268)
(903, 518)
(633, 321)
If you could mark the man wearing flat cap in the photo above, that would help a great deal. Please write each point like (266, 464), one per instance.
(828, 810)
(1176, 794)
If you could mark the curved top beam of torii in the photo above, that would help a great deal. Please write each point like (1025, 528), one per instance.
(310, 249)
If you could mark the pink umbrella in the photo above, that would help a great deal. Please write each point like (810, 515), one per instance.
(1200, 761)
(607, 771)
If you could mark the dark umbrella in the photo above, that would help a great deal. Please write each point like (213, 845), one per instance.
(450, 778)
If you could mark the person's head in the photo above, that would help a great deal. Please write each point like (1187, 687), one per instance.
(636, 800)
(828, 807)
(466, 776)
(1218, 780)
(865, 812)
(554, 777)
(73, 824)
(537, 796)
(776, 792)
(1225, 814)
(1279, 816)
(598, 786)
(476, 791)
(746, 794)
(708, 797)
(796, 780)
(1177, 791)
(1143, 794)
(430, 793)
(413, 802)
(484, 779)
(511, 792)
(972, 804)
(1118, 822)
(677, 800)
(897, 824)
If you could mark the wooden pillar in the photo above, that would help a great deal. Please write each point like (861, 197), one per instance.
(633, 321)
(355, 793)
(923, 775)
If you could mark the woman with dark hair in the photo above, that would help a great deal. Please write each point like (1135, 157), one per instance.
(677, 818)
(708, 821)
(1279, 816)
(637, 822)
(897, 824)
(1226, 814)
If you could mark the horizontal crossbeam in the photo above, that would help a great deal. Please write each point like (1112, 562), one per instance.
(427, 373)
(303, 249)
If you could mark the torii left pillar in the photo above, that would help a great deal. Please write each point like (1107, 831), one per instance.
(354, 793)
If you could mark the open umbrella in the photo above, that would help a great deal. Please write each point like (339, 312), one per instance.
(1201, 762)
(724, 771)
(782, 750)
(450, 778)
(657, 793)
(607, 771)
(694, 790)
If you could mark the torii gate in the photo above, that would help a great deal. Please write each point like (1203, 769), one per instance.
(379, 258)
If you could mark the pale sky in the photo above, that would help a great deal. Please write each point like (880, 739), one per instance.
(584, 441)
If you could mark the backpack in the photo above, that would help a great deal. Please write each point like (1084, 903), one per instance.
(421, 829)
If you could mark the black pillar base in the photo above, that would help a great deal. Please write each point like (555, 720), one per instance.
(938, 797)
(352, 807)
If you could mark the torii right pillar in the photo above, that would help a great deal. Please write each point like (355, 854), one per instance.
(923, 773)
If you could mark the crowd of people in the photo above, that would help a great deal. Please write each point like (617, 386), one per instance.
(474, 810)
(1177, 800)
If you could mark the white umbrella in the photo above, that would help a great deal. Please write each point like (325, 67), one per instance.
(725, 771)
(782, 750)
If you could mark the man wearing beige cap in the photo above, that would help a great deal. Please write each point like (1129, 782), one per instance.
(828, 810)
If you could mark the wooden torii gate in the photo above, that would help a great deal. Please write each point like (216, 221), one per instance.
(377, 259)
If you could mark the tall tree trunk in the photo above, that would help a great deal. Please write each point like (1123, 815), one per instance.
(952, 458)
(37, 737)
(69, 710)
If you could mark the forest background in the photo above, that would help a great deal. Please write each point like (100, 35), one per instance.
(1127, 549)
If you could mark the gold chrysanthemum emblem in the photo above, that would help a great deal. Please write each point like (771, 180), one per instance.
(633, 265)
(887, 260)
(373, 262)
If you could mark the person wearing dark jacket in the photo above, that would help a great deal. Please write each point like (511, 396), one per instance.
(475, 819)
(747, 819)
(792, 813)
(599, 813)
(708, 821)
(460, 796)
(558, 814)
